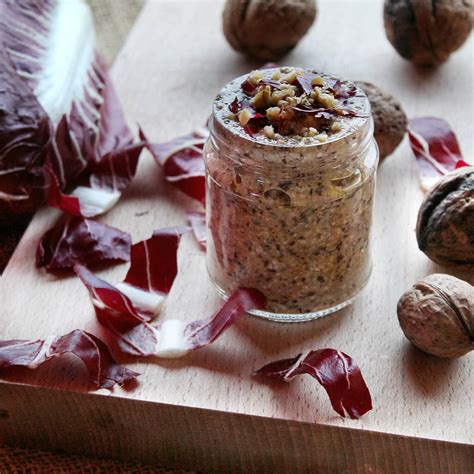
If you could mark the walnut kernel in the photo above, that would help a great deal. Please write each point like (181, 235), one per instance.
(244, 117)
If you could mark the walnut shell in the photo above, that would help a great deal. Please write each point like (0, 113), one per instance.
(437, 315)
(267, 29)
(426, 32)
(445, 227)
(389, 118)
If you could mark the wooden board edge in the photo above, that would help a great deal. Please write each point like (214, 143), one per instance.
(207, 440)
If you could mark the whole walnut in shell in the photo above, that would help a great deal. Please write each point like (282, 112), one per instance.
(437, 315)
(267, 29)
(389, 118)
(445, 227)
(426, 32)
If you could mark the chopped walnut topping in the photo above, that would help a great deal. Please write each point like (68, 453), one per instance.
(276, 76)
(291, 76)
(273, 113)
(255, 77)
(317, 81)
(244, 117)
(262, 98)
(269, 131)
(325, 99)
(294, 102)
(277, 96)
(322, 137)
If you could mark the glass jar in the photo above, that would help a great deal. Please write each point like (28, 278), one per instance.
(288, 215)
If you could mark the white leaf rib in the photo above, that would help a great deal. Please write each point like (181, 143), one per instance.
(78, 150)
(56, 250)
(13, 197)
(148, 270)
(24, 56)
(93, 126)
(58, 160)
(288, 376)
(44, 352)
(183, 146)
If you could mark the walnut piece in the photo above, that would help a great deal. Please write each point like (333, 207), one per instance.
(267, 29)
(389, 118)
(445, 227)
(437, 315)
(426, 32)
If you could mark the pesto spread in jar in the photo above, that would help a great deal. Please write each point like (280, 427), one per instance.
(290, 174)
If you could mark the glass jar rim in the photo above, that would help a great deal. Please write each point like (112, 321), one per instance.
(229, 136)
(310, 158)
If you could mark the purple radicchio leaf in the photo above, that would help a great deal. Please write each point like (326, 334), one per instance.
(197, 220)
(70, 119)
(153, 269)
(182, 162)
(436, 149)
(76, 240)
(342, 90)
(103, 187)
(134, 334)
(25, 137)
(305, 83)
(104, 372)
(335, 371)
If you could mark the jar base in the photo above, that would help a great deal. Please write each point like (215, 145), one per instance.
(301, 317)
(293, 317)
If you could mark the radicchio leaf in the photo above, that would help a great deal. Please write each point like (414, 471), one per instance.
(248, 87)
(325, 113)
(342, 90)
(25, 136)
(116, 312)
(60, 109)
(139, 298)
(436, 149)
(104, 186)
(182, 162)
(270, 82)
(198, 225)
(104, 372)
(201, 333)
(256, 123)
(153, 262)
(305, 83)
(234, 106)
(461, 164)
(81, 241)
(176, 338)
(172, 338)
(335, 371)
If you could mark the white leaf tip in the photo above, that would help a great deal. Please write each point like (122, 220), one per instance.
(172, 343)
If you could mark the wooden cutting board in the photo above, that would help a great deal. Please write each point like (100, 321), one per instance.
(205, 411)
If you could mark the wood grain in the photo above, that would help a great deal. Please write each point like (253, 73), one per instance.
(213, 441)
(173, 64)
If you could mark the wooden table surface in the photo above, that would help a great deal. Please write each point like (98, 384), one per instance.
(173, 64)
